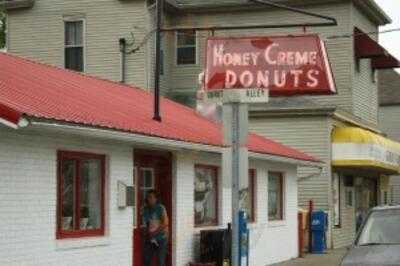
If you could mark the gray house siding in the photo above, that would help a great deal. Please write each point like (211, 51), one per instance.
(38, 33)
(364, 82)
(344, 234)
(309, 134)
(389, 122)
(339, 50)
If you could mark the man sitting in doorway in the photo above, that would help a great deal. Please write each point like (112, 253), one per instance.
(155, 219)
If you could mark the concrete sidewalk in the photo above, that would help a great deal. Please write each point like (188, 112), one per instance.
(331, 258)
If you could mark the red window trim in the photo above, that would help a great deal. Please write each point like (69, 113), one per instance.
(282, 190)
(252, 187)
(61, 156)
(215, 169)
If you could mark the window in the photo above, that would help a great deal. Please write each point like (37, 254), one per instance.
(336, 199)
(80, 194)
(73, 54)
(275, 196)
(349, 197)
(186, 48)
(247, 197)
(206, 195)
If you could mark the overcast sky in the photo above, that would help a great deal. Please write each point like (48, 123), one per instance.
(391, 41)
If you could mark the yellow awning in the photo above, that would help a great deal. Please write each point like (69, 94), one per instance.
(356, 147)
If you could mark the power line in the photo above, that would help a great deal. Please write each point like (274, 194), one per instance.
(359, 34)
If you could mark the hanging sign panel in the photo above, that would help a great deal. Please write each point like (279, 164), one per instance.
(285, 65)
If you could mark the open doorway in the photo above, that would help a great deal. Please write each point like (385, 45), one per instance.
(153, 170)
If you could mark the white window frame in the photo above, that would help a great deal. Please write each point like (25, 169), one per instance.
(75, 19)
(196, 58)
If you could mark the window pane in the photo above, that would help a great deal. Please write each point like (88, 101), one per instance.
(74, 58)
(68, 192)
(186, 55)
(186, 38)
(148, 180)
(74, 33)
(275, 196)
(90, 194)
(205, 196)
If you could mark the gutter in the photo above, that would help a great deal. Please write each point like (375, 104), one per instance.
(11, 118)
(287, 160)
(123, 136)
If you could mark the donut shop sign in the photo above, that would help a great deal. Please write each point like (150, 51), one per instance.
(285, 65)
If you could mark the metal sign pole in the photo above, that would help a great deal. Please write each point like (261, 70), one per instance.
(235, 182)
(235, 119)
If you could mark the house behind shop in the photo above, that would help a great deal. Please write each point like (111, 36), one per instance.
(389, 114)
(93, 30)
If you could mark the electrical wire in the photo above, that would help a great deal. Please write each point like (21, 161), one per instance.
(359, 34)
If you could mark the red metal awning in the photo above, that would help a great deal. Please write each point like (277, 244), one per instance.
(366, 47)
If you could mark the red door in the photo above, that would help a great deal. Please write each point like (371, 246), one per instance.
(152, 171)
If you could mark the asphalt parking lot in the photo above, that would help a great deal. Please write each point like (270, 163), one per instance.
(331, 258)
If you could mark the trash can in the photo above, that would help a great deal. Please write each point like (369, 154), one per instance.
(319, 226)
(215, 246)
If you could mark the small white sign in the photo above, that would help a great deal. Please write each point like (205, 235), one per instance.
(253, 95)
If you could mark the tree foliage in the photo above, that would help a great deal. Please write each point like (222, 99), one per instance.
(2, 29)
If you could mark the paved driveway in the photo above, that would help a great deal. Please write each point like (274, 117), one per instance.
(332, 258)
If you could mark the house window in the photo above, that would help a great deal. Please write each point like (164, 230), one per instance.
(349, 197)
(275, 196)
(206, 195)
(186, 47)
(73, 50)
(80, 194)
(336, 199)
(247, 197)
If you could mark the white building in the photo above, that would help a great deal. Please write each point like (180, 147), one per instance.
(62, 132)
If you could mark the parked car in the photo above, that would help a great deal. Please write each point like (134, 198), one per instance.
(378, 241)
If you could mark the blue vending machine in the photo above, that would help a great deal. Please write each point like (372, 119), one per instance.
(244, 240)
(319, 226)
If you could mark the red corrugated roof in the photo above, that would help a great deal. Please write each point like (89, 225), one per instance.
(43, 91)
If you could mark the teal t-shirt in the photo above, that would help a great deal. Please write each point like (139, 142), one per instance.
(152, 219)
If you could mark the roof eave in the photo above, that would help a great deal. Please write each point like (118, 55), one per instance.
(374, 11)
(154, 142)
(300, 111)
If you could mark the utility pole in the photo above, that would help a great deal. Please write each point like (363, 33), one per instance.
(157, 66)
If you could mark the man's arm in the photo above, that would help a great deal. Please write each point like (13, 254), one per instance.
(164, 221)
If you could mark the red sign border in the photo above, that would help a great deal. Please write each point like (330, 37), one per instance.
(298, 92)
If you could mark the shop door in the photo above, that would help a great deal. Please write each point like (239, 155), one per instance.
(152, 171)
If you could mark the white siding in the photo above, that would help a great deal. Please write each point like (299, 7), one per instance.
(269, 242)
(28, 205)
(28, 194)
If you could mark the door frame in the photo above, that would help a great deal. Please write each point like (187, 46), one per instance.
(152, 159)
